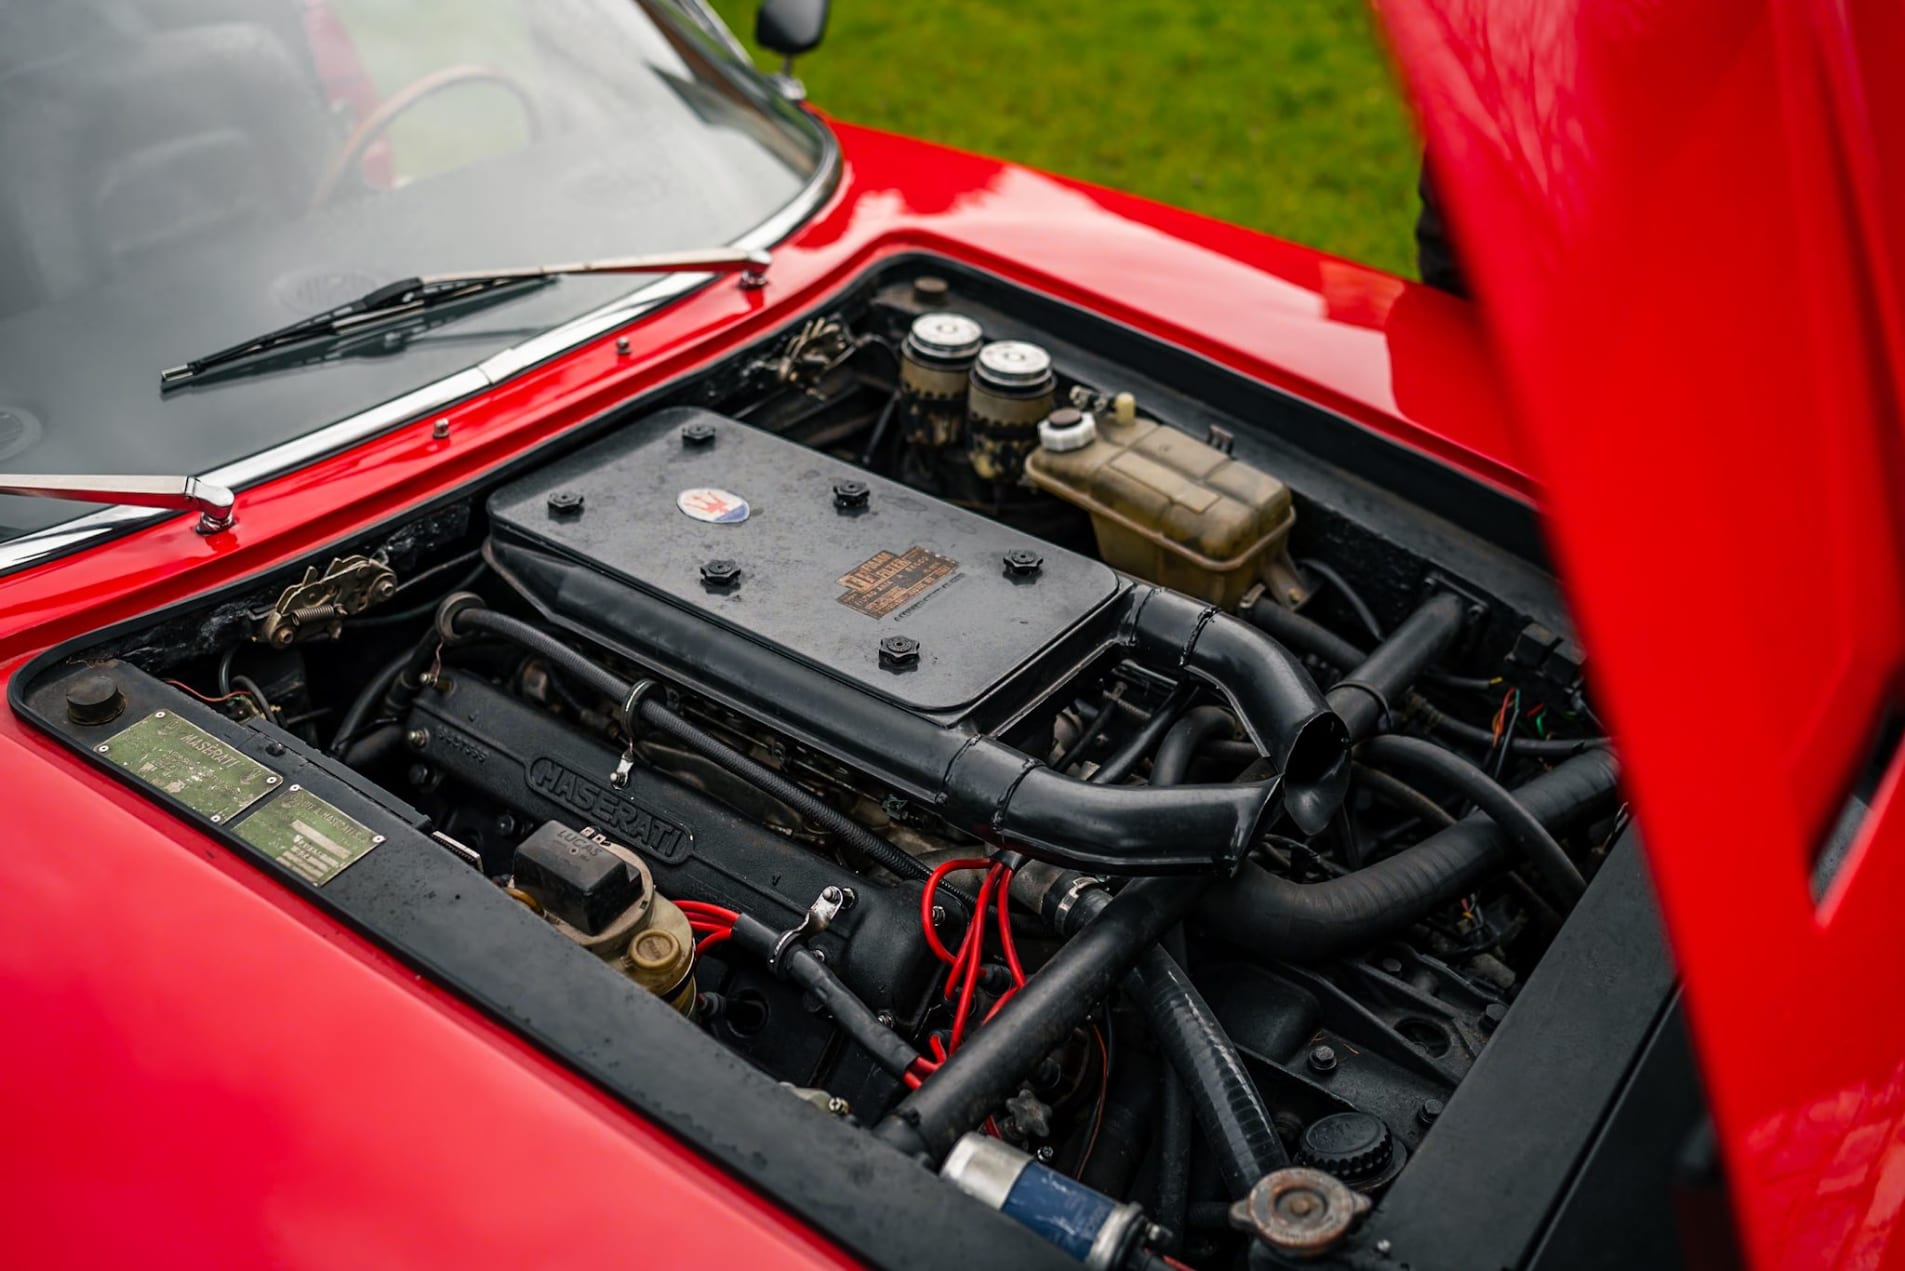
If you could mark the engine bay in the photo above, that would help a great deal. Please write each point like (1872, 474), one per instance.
(1137, 796)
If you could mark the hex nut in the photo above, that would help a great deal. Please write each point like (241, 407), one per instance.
(565, 502)
(898, 652)
(721, 573)
(849, 493)
(697, 435)
(1023, 562)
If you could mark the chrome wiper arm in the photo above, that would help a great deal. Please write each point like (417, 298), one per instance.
(411, 295)
(213, 503)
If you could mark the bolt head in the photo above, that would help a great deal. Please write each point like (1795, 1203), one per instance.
(566, 502)
(1429, 1111)
(440, 429)
(695, 436)
(899, 651)
(1023, 562)
(1493, 1014)
(1323, 1059)
(417, 738)
(622, 347)
(850, 493)
(721, 573)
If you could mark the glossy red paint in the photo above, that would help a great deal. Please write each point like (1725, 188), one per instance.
(1686, 231)
(214, 1065)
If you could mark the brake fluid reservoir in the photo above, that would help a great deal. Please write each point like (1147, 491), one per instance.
(1166, 507)
(935, 359)
(1009, 393)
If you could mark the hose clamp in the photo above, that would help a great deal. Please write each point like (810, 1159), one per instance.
(827, 906)
(1069, 897)
(1375, 694)
(625, 765)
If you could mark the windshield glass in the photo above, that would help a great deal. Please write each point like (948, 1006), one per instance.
(186, 174)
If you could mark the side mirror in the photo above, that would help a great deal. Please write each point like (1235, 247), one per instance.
(790, 28)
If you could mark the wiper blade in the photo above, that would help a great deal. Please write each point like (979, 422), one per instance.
(412, 295)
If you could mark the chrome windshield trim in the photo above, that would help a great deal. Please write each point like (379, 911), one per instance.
(84, 531)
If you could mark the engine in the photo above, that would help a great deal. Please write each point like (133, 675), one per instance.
(992, 744)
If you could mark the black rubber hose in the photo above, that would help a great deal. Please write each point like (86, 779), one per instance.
(1124, 1131)
(1090, 730)
(357, 714)
(1108, 828)
(1399, 793)
(1274, 697)
(857, 837)
(1118, 765)
(1174, 1161)
(855, 1018)
(1537, 846)
(1227, 1104)
(1362, 697)
(1313, 639)
(1057, 998)
(1286, 921)
(1187, 735)
(1230, 1111)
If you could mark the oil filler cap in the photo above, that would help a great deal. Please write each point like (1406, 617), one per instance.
(1356, 1147)
(1067, 429)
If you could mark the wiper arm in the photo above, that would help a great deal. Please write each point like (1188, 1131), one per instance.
(213, 503)
(412, 295)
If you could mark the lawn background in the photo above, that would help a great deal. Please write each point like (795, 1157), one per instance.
(1282, 115)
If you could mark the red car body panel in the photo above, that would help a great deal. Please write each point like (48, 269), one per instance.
(1687, 230)
(200, 1060)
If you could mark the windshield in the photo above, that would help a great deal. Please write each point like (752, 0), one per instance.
(185, 174)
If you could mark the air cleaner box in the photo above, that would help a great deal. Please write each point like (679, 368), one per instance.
(880, 586)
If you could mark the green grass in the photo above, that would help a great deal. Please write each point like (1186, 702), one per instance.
(1281, 114)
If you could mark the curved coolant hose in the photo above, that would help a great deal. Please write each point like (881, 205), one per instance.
(1275, 918)
(1310, 637)
(998, 793)
(1527, 833)
(468, 618)
(1187, 735)
(1229, 1109)
(1274, 697)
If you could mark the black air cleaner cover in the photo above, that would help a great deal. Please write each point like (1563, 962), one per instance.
(824, 576)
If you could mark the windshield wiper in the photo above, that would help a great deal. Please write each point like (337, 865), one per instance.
(413, 295)
(213, 503)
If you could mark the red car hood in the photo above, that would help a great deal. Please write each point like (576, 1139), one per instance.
(1685, 228)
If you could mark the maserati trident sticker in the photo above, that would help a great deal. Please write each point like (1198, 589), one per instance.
(705, 503)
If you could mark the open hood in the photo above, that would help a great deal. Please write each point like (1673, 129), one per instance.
(1684, 224)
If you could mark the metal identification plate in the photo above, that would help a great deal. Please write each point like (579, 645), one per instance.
(183, 760)
(307, 836)
(878, 586)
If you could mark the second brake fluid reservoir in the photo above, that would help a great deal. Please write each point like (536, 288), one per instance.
(1010, 392)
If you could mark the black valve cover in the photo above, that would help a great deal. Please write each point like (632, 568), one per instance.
(893, 591)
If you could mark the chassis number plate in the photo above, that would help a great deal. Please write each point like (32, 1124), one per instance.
(181, 759)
